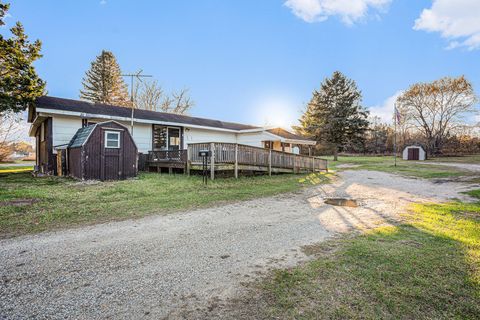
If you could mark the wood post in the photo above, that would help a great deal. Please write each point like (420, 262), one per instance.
(294, 164)
(212, 161)
(188, 163)
(236, 161)
(313, 164)
(270, 162)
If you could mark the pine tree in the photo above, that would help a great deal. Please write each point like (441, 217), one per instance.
(334, 115)
(103, 82)
(19, 83)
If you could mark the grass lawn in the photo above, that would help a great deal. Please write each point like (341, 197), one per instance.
(30, 204)
(406, 168)
(426, 268)
(464, 159)
(7, 169)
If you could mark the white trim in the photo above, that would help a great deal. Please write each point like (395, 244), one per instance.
(117, 133)
(127, 119)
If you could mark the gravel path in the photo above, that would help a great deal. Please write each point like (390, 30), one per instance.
(160, 266)
(466, 166)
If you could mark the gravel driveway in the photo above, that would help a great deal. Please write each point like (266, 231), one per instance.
(160, 266)
(460, 165)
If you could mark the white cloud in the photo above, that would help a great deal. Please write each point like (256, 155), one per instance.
(102, 2)
(349, 11)
(385, 110)
(456, 20)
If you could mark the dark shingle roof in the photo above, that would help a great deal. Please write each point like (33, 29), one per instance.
(81, 136)
(116, 111)
(287, 134)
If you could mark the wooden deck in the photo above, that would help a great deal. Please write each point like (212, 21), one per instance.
(236, 158)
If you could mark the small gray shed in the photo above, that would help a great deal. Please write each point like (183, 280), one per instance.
(414, 152)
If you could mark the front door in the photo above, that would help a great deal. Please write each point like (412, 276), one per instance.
(173, 138)
(166, 138)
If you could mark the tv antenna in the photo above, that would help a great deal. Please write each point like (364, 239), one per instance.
(134, 76)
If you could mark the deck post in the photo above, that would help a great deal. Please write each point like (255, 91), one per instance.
(270, 162)
(212, 161)
(236, 161)
(313, 164)
(294, 164)
(187, 164)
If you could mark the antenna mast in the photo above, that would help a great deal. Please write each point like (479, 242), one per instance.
(138, 76)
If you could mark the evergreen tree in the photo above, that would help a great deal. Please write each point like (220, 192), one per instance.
(104, 83)
(19, 83)
(334, 115)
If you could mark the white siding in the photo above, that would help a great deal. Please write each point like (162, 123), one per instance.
(64, 128)
(254, 139)
(142, 135)
(193, 135)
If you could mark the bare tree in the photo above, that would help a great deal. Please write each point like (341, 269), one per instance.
(182, 101)
(437, 107)
(9, 131)
(149, 95)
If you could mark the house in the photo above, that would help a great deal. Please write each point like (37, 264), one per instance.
(55, 121)
(414, 152)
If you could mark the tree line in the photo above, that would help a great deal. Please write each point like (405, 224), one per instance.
(431, 114)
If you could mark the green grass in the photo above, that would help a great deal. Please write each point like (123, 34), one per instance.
(14, 169)
(465, 159)
(406, 168)
(425, 268)
(62, 202)
(474, 193)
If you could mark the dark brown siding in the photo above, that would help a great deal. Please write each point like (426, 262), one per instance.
(46, 158)
(75, 162)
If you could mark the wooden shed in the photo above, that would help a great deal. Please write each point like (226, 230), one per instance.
(102, 151)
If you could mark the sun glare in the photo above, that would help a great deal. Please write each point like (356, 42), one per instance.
(276, 111)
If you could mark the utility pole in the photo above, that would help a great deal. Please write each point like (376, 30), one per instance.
(138, 75)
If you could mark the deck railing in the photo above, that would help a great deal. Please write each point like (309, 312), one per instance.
(240, 155)
(167, 156)
(244, 155)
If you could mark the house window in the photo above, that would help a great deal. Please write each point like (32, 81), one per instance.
(112, 139)
(160, 138)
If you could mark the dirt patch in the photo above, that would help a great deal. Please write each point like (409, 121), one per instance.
(18, 202)
(342, 202)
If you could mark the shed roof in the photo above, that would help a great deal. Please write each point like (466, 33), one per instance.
(81, 136)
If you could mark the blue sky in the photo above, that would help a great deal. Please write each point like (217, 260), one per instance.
(256, 61)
